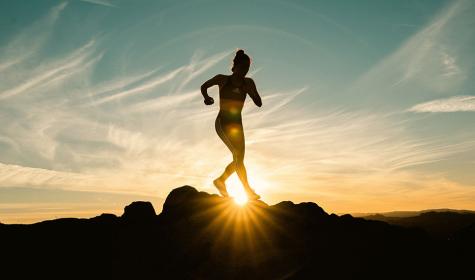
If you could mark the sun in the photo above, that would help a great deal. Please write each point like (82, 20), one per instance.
(236, 190)
(240, 199)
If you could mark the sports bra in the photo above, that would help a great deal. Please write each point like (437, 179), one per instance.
(229, 91)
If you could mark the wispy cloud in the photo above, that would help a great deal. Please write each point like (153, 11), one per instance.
(195, 68)
(154, 83)
(51, 72)
(101, 3)
(29, 40)
(118, 84)
(164, 102)
(430, 61)
(141, 88)
(464, 103)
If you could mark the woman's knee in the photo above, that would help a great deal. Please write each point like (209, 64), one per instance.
(238, 158)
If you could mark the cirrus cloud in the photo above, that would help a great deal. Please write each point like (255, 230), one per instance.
(463, 103)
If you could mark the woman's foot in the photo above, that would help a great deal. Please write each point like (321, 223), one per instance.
(252, 195)
(219, 184)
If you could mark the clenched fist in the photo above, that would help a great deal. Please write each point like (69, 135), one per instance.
(209, 100)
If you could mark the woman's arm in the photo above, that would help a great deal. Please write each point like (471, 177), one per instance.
(209, 83)
(253, 93)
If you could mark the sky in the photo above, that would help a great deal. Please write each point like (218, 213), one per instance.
(368, 106)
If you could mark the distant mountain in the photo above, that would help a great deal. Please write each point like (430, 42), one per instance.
(403, 214)
(204, 236)
(441, 225)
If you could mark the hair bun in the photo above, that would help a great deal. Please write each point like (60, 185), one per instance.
(241, 57)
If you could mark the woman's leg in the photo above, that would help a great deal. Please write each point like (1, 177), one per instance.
(222, 134)
(238, 157)
(233, 136)
(230, 168)
(242, 173)
(236, 136)
(227, 171)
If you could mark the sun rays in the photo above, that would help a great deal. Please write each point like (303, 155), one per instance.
(244, 232)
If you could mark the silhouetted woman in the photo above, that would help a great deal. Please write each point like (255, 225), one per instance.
(232, 94)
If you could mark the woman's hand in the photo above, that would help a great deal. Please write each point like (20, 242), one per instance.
(209, 100)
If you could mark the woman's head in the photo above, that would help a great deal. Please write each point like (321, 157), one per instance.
(242, 62)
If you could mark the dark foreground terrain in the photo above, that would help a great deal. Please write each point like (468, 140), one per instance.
(203, 236)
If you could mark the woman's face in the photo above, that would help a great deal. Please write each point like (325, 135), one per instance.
(241, 69)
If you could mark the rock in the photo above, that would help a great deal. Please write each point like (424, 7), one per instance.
(139, 211)
(105, 218)
(179, 197)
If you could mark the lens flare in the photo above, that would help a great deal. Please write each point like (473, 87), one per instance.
(236, 191)
(240, 199)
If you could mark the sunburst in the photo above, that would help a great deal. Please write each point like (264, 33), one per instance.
(236, 190)
(240, 199)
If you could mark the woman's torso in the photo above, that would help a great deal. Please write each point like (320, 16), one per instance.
(231, 99)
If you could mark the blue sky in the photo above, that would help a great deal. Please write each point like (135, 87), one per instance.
(367, 105)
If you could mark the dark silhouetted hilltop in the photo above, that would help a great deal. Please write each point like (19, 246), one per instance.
(439, 224)
(204, 236)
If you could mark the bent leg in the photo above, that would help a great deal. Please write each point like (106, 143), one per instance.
(221, 131)
(232, 135)
(227, 171)
(236, 137)
(220, 181)
(241, 169)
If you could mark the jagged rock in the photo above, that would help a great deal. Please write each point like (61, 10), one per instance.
(139, 211)
(284, 204)
(310, 209)
(105, 218)
(187, 199)
(179, 197)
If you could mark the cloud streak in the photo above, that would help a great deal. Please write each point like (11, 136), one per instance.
(464, 103)
(101, 3)
(431, 61)
(29, 40)
(51, 72)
